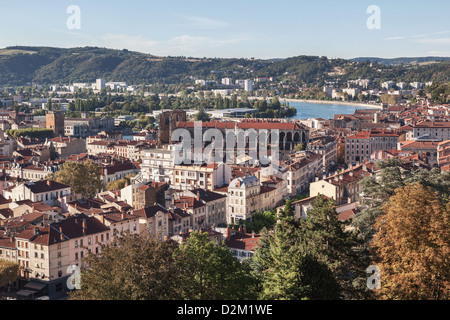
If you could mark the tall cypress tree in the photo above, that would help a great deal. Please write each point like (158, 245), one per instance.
(331, 245)
(286, 268)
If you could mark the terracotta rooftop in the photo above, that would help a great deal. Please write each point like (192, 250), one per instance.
(243, 241)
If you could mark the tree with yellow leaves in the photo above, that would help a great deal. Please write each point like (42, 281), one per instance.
(412, 245)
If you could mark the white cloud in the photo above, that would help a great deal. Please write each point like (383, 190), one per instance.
(405, 37)
(439, 53)
(202, 21)
(444, 41)
(179, 45)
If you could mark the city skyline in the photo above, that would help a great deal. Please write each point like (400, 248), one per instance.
(266, 30)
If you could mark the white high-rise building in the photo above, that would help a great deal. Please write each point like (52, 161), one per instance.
(226, 81)
(100, 84)
(248, 85)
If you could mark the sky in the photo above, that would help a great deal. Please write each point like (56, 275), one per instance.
(262, 29)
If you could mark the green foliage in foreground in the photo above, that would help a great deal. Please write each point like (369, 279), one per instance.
(8, 272)
(296, 260)
(141, 267)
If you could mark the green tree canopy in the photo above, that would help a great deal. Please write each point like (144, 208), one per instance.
(9, 272)
(287, 271)
(30, 132)
(82, 177)
(142, 267)
(202, 116)
(208, 271)
(132, 267)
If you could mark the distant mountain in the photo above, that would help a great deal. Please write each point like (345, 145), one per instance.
(21, 65)
(400, 61)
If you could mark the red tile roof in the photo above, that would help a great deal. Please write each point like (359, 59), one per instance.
(243, 241)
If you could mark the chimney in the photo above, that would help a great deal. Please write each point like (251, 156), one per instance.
(36, 231)
(84, 225)
(61, 234)
(228, 233)
(253, 234)
(49, 183)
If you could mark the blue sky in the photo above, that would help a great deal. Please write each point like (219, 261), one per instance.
(245, 28)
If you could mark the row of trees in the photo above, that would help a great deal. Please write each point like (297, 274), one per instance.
(403, 229)
(30, 132)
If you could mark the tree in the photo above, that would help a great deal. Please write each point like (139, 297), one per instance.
(202, 116)
(208, 271)
(377, 190)
(116, 184)
(412, 245)
(8, 272)
(286, 269)
(82, 177)
(132, 267)
(120, 184)
(299, 147)
(261, 220)
(331, 245)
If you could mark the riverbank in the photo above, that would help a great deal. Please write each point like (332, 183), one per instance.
(342, 103)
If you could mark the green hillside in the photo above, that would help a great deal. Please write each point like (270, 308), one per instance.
(46, 65)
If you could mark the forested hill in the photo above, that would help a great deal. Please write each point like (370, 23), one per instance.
(21, 65)
(407, 60)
